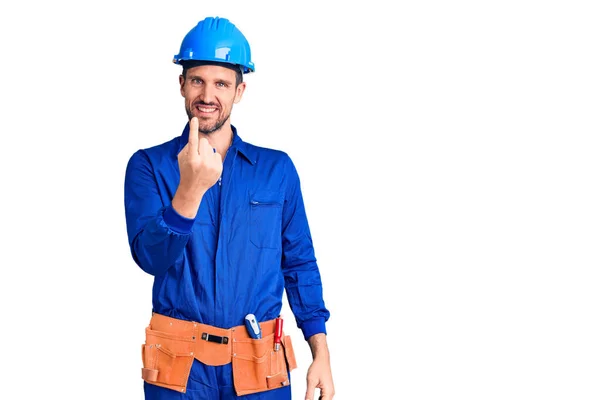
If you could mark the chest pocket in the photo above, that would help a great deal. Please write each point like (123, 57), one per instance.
(266, 208)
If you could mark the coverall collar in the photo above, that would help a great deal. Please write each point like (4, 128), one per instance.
(237, 144)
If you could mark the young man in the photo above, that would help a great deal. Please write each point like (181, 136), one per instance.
(221, 226)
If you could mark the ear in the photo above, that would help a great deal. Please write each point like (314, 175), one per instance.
(239, 92)
(181, 83)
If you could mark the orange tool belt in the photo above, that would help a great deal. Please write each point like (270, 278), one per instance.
(172, 344)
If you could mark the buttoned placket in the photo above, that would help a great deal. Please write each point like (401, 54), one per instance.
(221, 268)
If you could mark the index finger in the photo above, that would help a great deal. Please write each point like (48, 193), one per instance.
(193, 139)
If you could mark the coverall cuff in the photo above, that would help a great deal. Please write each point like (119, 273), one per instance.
(177, 222)
(313, 326)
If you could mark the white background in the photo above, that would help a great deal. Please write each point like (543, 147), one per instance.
(448, 153)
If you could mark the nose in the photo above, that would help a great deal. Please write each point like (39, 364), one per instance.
(207, 95)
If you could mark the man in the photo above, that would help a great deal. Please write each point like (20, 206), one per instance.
(221, 226)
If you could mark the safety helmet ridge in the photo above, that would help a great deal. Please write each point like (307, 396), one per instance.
(216, 40)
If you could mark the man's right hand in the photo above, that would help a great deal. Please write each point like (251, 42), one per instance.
(200, 167)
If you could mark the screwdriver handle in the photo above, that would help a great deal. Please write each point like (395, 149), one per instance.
(278, 332)
(252, 326)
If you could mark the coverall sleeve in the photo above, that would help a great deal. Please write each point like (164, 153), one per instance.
(157, 233)
(301, 273)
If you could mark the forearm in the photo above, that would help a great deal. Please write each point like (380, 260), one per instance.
(158, 233)
(305, 294)
(318, 346)
(161, 242)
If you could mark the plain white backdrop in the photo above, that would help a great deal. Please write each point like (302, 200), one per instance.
(448, 153)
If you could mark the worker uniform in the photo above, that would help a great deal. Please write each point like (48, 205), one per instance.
(249, 241)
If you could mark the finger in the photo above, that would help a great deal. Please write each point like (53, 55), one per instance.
(193, 139)
(204, 148)
(310, 391)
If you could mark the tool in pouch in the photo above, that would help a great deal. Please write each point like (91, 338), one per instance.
(278, 332)
(252, 326)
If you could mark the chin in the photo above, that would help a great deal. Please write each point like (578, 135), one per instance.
(207, 129)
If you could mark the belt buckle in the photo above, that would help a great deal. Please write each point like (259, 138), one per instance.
(214, 338)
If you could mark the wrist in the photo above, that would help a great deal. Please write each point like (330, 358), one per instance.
(186, 204)
(318, 347)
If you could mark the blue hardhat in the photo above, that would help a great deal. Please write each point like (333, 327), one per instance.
(216, 40)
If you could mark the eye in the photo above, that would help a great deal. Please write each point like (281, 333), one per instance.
(196, 81)
(221, 84)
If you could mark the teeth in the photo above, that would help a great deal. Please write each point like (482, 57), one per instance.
(206, 109)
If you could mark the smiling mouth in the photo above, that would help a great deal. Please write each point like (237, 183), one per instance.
(206, 109)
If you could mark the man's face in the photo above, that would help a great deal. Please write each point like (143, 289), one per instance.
(210, 92)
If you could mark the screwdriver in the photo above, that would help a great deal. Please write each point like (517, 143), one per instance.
(278, 332)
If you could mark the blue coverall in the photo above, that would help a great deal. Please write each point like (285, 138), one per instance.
(249, 241)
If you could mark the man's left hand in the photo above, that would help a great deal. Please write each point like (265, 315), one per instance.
(319, 373)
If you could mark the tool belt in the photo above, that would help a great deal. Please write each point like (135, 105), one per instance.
(172, 344)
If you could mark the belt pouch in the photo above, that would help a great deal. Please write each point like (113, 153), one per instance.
(167, 359)
(257, 367)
